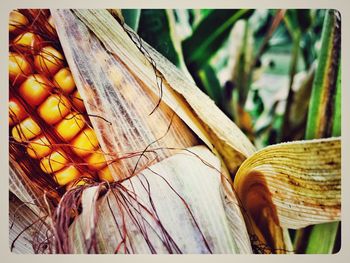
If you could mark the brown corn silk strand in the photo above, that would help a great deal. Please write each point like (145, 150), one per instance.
(110, 90)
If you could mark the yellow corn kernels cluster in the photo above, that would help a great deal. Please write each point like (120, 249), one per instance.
(41, 84)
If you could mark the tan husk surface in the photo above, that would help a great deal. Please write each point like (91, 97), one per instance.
(23, 217)
(291, 185)
(124, 114)
(191, 210)
(195, 108)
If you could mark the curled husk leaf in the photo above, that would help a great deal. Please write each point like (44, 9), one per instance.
(290, 185)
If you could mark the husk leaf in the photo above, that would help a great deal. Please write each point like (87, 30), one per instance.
(290, 185)
(203, 201)
(195, 108)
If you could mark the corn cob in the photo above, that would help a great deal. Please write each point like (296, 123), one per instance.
(43, 92)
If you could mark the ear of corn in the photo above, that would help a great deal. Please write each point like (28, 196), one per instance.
(46, 114)
(230, 142)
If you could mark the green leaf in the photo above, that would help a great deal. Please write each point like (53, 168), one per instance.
(322, 238)
(324, 114)
(210, 34)
(298, 20)
(157, 28)
(210, 84)
(292, 71)
(321, 110)
(243, 76)
(132, 17)
(337, 114)
(304, 19)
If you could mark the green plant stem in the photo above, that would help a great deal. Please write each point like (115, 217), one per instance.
(337, 114)
(322, 102)
(292, 71)
(324, 118)
(322, 238)
(242, 76)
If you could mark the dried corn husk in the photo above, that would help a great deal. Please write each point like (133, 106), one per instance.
(200, 226)
(196, 109)
(21, 217)
(92, 75)
(290, 185)
(129, 123)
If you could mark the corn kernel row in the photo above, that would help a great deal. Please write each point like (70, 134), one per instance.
(37, 77)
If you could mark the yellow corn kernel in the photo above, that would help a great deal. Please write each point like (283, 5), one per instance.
(17, 21)
(54, 162)
(35, 89)
(70, 126)
(16, 111)
(25, 130)
(106, 175)
(75, 184)
(19, 68)
(48, 61)
(96, 160)
(63, 79)
(28, 41)
(85, 142)
(67, 175)
(78, 102)
(54, 108)
(39, 148)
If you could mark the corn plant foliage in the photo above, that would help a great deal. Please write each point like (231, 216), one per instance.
(324, 119)
(233, 199)
(164, 68)
(132, 17)
(210, 33)
(156, 27)
(322, 103)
